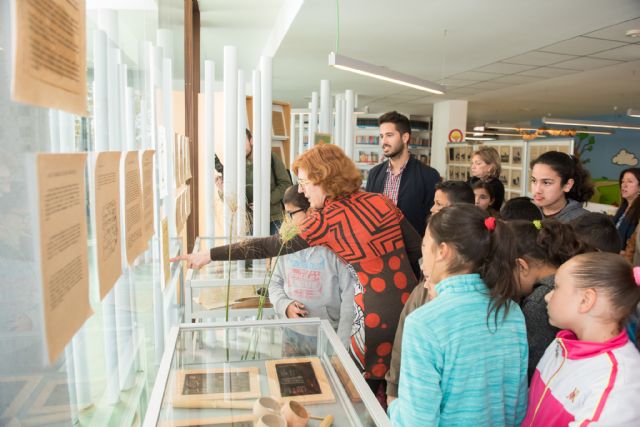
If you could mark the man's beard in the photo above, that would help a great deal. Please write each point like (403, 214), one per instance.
(393, 154)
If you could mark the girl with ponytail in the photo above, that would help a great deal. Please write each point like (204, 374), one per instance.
(589, 373)
(464, 354)
(541, 248)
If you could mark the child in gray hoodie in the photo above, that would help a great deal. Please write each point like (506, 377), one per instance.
(312, 282)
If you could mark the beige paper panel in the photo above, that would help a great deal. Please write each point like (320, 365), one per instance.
(108, 243)
(63, 247)
(147, 191)
(50, 61)
(133, 220)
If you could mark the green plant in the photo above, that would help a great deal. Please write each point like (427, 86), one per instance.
(585, 143)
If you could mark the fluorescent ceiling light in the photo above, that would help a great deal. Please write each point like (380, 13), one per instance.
(592, 123)
(630, 112)
(377, 72)
(504, 127)
(488, 132)
(479, 138)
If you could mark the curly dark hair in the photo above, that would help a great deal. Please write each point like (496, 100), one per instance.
(569, 167)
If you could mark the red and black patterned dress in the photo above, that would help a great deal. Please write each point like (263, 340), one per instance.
(368, 232)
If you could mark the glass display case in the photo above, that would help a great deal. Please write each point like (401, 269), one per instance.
(206, 288)
(250, 373)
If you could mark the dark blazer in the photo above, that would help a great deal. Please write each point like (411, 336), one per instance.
(415, 195)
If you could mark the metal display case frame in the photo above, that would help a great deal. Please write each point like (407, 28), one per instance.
(202, 346)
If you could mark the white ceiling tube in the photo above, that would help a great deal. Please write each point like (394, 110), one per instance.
(325, 107)
(209, 151)
(313, 119)
(349, 123)
(364, 68)
(338, 136)
(230, 181)
(257, 151)
(242, 157)
(588, 123)
(266, 72)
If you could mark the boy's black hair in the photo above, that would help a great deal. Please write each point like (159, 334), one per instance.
(520, 208)
(457, 192)
(598, 231)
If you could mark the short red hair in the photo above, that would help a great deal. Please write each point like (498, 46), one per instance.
(329, 167)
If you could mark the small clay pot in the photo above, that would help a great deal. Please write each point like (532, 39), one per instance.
(266, 406)
(271, 420)
(294, 414)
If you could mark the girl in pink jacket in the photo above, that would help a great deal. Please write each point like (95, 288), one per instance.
(589, 375)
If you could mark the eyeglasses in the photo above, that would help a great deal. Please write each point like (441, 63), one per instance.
(292, 213)
(302, 182)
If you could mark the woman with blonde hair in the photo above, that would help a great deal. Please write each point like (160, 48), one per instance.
(367, 232)
(485, 166)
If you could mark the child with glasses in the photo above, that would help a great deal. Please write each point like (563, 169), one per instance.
(312, 282)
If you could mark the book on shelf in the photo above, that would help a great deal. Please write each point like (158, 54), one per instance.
(368, 157)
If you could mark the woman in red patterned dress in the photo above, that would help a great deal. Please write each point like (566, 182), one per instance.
(367, 232)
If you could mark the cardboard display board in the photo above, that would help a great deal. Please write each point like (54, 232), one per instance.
(107, 218)
(63, 251)
(50, 67)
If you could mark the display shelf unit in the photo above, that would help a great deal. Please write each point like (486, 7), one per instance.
(205, 289)
(213, 372)
(515, 157)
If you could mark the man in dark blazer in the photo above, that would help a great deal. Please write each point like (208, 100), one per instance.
(409, 183)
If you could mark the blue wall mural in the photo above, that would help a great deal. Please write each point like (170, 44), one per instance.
(612, 153)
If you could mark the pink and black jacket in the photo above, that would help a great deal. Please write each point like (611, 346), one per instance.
(579, 383)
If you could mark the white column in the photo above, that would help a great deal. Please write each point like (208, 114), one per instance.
(292, 137)
(339, 120)
(241, 220)
(54, 131)
(313, 118)
(325, 106)
(265, 191)
(349, 123)
(207, 186)
(230, 132)
(100, 106)
(108, 22)
(164, 39)
(258, 148)
(301, 136)
(447, 115)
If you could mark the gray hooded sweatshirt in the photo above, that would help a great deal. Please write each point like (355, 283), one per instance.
(571, 211)
(540, 334)
(319, 280)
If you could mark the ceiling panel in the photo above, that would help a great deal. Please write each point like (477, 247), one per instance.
(488, 85)
(586, 63)
(538, 58)
(617, 32)
(453, 83)
(504, 68)
(581, 46)
(547, 72)
(477, 76)
(630, 52)
(487, 33)
(516, 79)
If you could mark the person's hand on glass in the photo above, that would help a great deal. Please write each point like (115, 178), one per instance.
(296, 309)
(196, 260)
